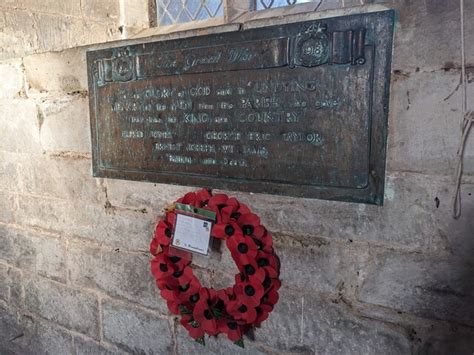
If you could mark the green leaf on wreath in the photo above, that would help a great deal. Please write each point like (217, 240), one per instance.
(240, 343)
(217, 313)
(184, 310)
(194, 324)
(201, 341)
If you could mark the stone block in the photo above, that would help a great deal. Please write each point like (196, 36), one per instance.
(307, 323)
(116, 272)
(7, 207)
(420, 27)
(73, 309)
(12, 78)
(430, 287)
(330, 5)
(349, 3)
(220, 262)
(441, 340)
(136, 13)
(424, 25)
(9, 172)
(66, 177)
(455, 236)
(102, 9)
(16, 40)
(56, 7)
(406, 195)
(58, 33)
(65, 126)
(118, 228)
(19, 126)
(17, 290)
(136, 330)
(33, 252)
(328, 268)
(4, 283)
(144, 194)
(49, 33)
(84, 346)
(214, 345)
(424, 131)
(57, 72)
(11, 285)
(20, 334)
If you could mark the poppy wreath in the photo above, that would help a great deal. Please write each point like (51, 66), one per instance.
(233, 311)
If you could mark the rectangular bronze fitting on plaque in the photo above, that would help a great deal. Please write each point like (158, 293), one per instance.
(297, 109)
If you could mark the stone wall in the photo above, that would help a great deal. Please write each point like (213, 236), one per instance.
(34, 26)
(357, 279)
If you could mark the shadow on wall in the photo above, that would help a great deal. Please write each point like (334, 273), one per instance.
(451, 288)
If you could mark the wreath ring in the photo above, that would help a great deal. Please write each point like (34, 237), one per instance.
(233, 311)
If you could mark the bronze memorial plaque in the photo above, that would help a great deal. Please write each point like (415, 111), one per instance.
(297, 109)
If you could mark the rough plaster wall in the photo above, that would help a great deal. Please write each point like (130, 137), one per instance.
(357, 279)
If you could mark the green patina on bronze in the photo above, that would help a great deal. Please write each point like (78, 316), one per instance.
(298, 109)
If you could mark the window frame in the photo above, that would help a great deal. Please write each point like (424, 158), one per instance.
(233, 11)
(153, 15)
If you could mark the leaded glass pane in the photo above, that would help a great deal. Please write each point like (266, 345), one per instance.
(178, 11)
(270, 4)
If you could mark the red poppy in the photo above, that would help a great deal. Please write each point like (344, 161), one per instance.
(265, 242)
(276, 284)
(259, 231)
(168, 294)
(242, 248)
(248, 266)
(155, 247)
(218, 200)
(170, 218)
(163, 233)
(222, 295)
(184, 276)
(203, 314)
(226, 214)
(253, 291)
(226, 230)
(189, 199)
(173, 306)
(243, 209)
(194, 329)
(203, 196)
(263, 311)
(270, 298)
(187, 290)
(179, 258)
(161, 268)
(161, 283)
(258, 277)
(231, 328)
(241, 309)
(269, 263)
(248, 222)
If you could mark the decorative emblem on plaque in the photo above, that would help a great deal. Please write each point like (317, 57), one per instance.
(123, 66)
(311, 47)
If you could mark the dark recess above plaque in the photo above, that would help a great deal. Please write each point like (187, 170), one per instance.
(298, 109)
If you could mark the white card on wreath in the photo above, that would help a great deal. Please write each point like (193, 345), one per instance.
(192, 234)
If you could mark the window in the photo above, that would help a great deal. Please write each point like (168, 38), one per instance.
(270, 4)
(171, 12)
(178, 11)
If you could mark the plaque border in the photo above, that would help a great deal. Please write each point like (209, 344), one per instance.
(373, 193)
